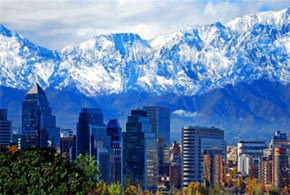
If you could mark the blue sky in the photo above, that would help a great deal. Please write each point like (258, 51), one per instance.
(57, 23)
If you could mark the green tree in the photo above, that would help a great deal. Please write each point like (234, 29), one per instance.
(90, 170)
(115, 189)
(101, 188)
(34, 171)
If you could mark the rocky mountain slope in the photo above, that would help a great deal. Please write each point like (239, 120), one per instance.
(191, 61)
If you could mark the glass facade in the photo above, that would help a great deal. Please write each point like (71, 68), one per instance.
(92, 139)
(38, 124)
(5, 129)
(115, 132)
(140, 160)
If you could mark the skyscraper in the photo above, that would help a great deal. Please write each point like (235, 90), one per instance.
(92, 139)
(115, 132)
(159, 118)
(280, 176)
(89, 119)
(140, 158)
(195, 142)
(281, 140)
(214, 163)
(5, 129)
(38, 124)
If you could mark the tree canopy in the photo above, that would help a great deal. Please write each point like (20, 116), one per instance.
(35, 171)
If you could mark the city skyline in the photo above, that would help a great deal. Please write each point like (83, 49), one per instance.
(133, 156)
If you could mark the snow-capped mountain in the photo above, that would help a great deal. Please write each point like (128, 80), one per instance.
(191, 61)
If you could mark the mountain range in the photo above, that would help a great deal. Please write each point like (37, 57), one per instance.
(235, 76)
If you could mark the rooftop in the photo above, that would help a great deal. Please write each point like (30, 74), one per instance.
(36, 89)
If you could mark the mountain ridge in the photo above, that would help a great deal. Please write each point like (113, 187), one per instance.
(191, 61)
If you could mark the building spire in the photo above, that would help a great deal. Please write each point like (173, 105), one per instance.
(36, 89)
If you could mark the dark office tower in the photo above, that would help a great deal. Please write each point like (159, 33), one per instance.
(89, 118)
(195, 142)
(159, 118)
(140, 157)
(38, 124)
(92, 139)
(115, 132)
(175, 165)
(5, 129)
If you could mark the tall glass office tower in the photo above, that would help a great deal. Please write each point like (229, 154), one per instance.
(90, 119)
(115, 132)
(92, 139)
(140, 158)
(38, 124)
(5, 129)
(159, 118)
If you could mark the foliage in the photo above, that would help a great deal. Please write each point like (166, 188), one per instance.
(90, 170)
(115, 189)
(101, 188)
(131, 190)
(194, 188)
(34, 171)
(272, 191)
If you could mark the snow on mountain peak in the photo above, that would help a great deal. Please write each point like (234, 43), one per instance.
(190, 61)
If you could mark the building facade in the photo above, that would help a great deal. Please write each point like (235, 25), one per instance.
(88, 118)
(254, 151)
(214, 164)
(92, 140)
(5, 129)
(38, 124)
(195, 142)
(175, 165)
(115, 132)
(159, 118)
(140, 158)
(66, 142)
(280, 167)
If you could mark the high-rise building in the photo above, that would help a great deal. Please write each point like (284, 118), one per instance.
(175, 165)
(281, 140)
(66, 142)
(89, 119)
(266, 170)
(159, 118)
(254, 151)
(244, 164)
(5, 129)
(115, 132)
(140, 158)
(195, 142)
(38, 124)
(92, 139)
(280, 167)
(214, 164)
